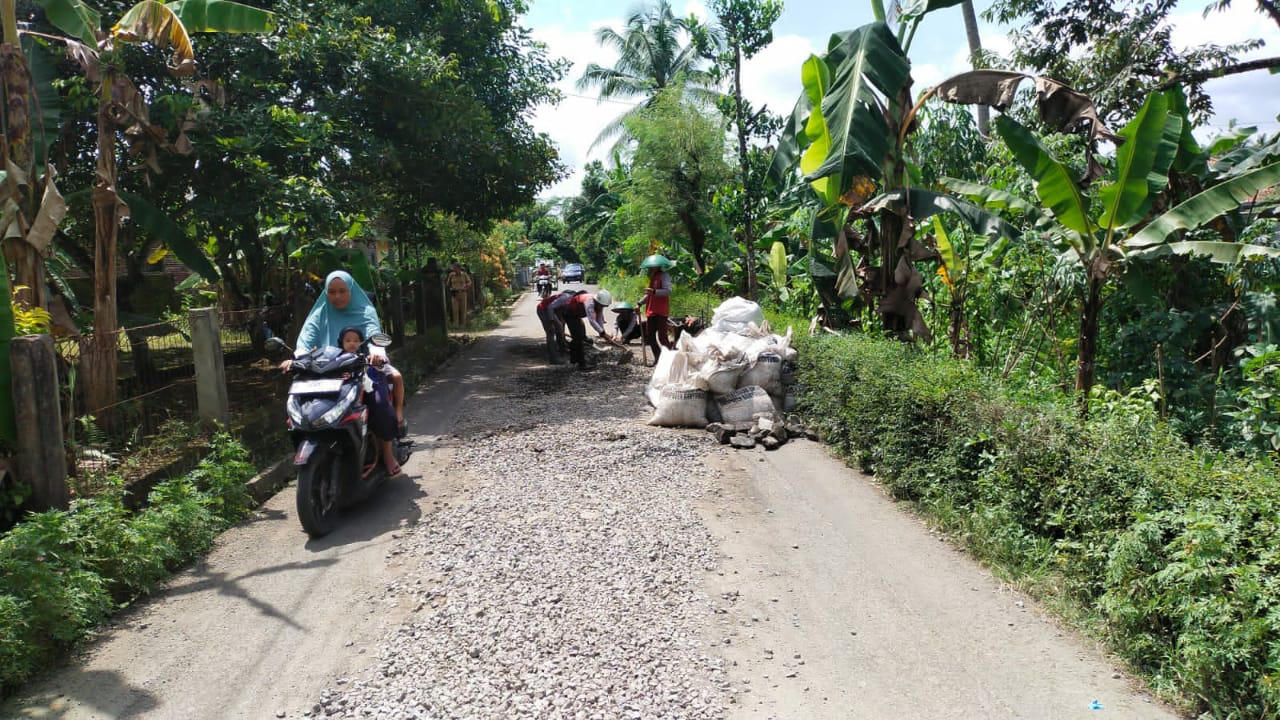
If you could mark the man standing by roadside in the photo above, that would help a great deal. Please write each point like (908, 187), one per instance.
(570, 310)
(656, 303)
(459, 285)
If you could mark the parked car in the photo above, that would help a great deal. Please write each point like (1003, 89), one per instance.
(573, 272)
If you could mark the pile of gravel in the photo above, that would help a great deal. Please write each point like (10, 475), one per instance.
(565, 582)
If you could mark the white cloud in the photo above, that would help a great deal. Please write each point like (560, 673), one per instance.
(1241, 21)
(773, 76)
(576, 121)
(1249, 98)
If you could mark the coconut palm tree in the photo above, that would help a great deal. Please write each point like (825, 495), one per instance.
(655, 51)
(975, 56)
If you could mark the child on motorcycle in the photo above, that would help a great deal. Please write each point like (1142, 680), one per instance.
(349, 340)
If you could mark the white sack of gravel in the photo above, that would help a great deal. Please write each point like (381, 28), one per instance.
(680, 405)
(766, 372)
(746, 404)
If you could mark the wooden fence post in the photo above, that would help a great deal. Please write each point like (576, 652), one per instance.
(41, 459)
(211, 377)
(433, 310)
(395, 314)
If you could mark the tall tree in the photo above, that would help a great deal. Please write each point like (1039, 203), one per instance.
(679, 163)
(655, 52)
(165, 27)
(745, 28)
(975, 58)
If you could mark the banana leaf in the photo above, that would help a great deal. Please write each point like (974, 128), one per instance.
(221, 16)
(1142, 163)
(988, 197)
(74, 18)
(926, 204)
(1054, 183)
(868, 64)
(46, 114)
(919, 8)
(778, 263)
(163, 228)
(815, 77)
(1200, 209)
(955, 264)
(1226, 253)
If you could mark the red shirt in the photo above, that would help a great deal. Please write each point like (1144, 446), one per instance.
(658, 305)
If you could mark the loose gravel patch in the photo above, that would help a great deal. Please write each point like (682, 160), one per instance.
(565, 582)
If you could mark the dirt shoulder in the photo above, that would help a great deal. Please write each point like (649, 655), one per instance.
(837, 603)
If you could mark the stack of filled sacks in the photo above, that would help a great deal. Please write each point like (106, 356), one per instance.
(733, 372)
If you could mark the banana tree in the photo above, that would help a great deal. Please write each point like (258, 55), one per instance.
(847, 136)
(164, 26)
(30, 206)
(1117, 227)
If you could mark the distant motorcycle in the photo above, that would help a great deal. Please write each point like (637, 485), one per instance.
(338, 459)
(544, 285)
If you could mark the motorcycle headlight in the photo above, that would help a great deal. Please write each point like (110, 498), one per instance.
(339, 408)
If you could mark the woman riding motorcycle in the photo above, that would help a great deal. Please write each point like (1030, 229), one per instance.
(344, 304)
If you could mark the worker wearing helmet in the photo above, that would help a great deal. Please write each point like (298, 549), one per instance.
(571, 310)
(657, 303)
(627, 322)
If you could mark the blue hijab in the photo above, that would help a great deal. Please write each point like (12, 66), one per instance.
(325, 321)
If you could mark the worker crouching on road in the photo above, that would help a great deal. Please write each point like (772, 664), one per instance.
(571, 310)
(553, 328)
(627, 322)
(657, 303)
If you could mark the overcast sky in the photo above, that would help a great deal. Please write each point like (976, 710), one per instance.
(773, 76)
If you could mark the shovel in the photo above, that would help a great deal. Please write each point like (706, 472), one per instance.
(644, 342)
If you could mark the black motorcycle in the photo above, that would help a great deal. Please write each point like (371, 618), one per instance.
(544, 285)
(338, 459)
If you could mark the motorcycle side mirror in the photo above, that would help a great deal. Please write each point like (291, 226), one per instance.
(380, 339)
(275, 344)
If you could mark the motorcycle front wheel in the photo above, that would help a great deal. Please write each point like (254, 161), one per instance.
(318, 483)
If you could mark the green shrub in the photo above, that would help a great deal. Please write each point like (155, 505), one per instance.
(63, 572)
(1175, 550)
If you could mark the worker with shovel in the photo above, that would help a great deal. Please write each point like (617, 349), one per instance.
(571, 309)
(657, 303)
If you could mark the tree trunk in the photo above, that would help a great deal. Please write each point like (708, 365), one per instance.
(1088, 338)
(100, 371)
(958, 328)
(975, 50)
(697, 238)
(23, 259)
(748, 231)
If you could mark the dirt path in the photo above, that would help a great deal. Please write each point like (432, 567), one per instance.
(826, 602)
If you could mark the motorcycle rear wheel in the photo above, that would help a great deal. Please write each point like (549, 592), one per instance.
(318, 483)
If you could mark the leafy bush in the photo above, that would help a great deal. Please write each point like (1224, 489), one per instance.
(63, 572)
(1173, 549)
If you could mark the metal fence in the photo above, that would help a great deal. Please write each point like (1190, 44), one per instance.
(155, 382)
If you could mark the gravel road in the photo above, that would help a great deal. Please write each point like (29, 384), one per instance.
(551, 556)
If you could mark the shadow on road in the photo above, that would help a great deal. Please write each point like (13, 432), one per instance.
(392, 506)
(107, 687)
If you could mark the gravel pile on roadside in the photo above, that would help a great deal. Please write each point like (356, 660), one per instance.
(565, 583)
